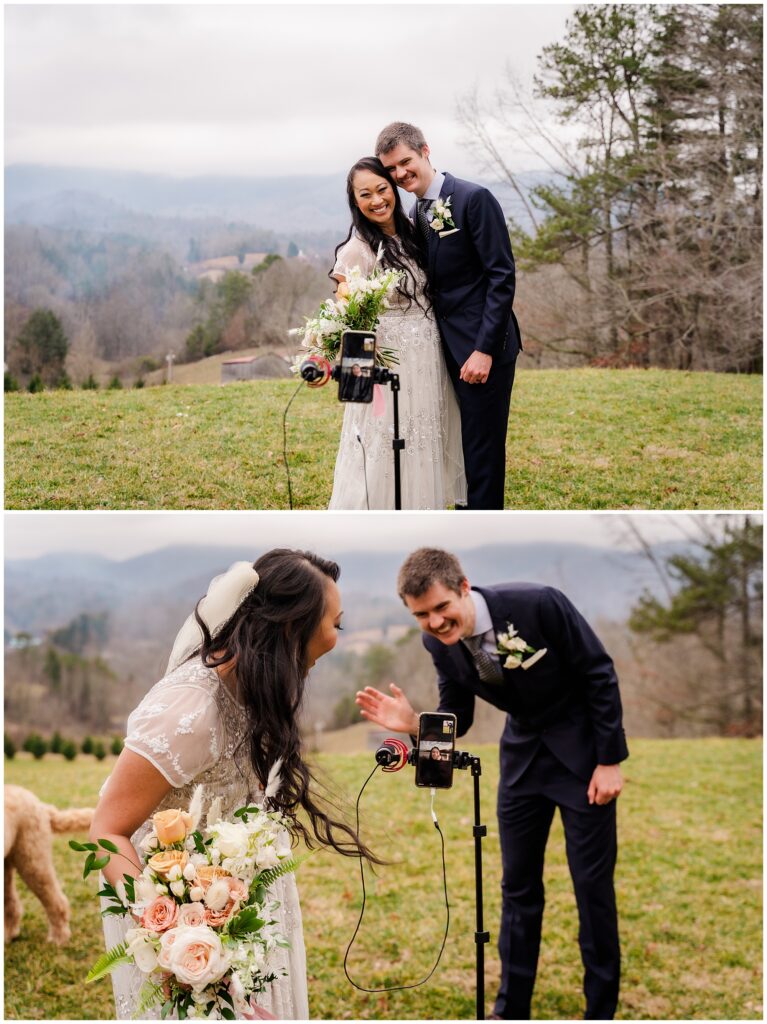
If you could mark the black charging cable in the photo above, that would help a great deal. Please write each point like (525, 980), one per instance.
(285, 441)
(396, 988)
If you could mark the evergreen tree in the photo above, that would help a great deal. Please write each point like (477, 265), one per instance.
(43, 345)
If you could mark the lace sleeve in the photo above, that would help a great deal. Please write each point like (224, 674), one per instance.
(355, 253)
(178, 729)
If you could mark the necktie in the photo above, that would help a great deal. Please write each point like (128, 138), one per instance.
(422, 205)
(488, 667)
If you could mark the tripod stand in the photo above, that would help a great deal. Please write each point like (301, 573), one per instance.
(382, 375)
(463, 760)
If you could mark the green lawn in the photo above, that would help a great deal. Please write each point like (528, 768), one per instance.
(578, 439)
(689, 886)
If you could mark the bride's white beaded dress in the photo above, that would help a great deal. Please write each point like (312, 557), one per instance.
(432, 471)
(193, 730)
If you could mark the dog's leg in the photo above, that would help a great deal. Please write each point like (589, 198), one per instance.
(13, 907)
(40, 875)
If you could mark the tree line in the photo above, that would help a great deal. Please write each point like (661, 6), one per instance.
(645, 248)
(84, 310)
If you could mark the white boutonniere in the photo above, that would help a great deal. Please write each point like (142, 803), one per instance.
(442, 217)
(515, 648)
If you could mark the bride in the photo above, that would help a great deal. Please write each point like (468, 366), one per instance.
(432, 461)
(226, 711)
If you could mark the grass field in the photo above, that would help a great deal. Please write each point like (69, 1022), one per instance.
(689, 884)
(578, 439)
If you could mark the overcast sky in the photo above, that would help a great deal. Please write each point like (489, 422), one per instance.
(121, 535)
(255, 88)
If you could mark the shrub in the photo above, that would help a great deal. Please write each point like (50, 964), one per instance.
(87, 745)
(11, 384)
(98, 751)
(69, 750)
(36, 384)
(140, 382)
(117, 746)
(64, 383)
(56, 743)
(30, 742)
(10, 747)
(115, 384)
(90, 383)
(40, 749)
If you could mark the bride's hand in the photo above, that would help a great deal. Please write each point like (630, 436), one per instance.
(395, 712)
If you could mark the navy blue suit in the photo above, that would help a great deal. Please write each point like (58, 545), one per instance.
(564, 717)
(471, 273)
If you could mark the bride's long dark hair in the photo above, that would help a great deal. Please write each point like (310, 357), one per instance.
(267, 638)
(393, 250)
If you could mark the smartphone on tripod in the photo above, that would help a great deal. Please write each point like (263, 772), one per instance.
(435, 749)
(356, 365)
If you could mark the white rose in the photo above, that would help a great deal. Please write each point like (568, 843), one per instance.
(195, 956)
(231, 839)
(217, 895)
(517, 644)
(189, 872)
(196, 893)
(149, 842)
(511, 662)
(437, 224)
(141, 949)
(177, 887)
(175, 872)
(267, 858)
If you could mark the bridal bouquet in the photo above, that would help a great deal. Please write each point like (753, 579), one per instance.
(357, 306)
(205, 938)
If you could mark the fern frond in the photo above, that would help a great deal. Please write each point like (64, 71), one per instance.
(148, 997)
(270, 876)
(107, 962)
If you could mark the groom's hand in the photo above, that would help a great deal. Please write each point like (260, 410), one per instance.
(476, 369)
(395, 712)
(606, 784)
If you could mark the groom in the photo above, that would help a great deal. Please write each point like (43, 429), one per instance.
(471, 272)
(560, 748)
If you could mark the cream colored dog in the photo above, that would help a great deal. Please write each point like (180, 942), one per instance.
(29, 824)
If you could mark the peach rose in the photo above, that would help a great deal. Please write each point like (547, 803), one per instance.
(171, 826)
(163, 956)
(238, 893)
(164, 861)
(160, 915)
(209, 873)
(342, 291)
(191, 915)
(195, 956)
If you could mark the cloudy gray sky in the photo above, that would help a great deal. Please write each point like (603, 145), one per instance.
(254, 88)
(121, 535)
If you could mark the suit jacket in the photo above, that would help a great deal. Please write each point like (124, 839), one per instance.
(568, 700)
(472, 277)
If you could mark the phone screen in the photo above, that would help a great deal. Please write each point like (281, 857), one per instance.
(436, 744)
(358, 356)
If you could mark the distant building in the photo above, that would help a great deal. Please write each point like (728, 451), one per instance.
(266, 367)
(214, 269)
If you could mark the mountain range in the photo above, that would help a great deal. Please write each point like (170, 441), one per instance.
(47, 592)
(118, 201)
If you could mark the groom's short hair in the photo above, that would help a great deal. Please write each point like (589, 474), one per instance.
(428, 566)
(399, 132)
